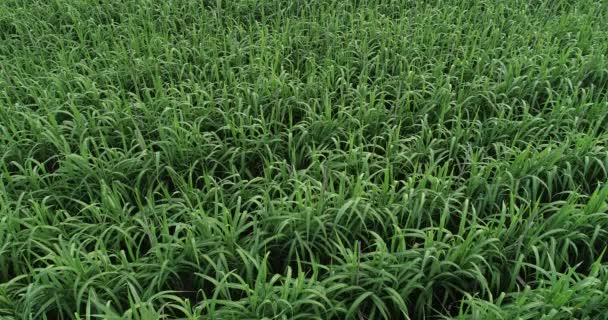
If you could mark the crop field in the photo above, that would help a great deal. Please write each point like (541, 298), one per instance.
(303, 159)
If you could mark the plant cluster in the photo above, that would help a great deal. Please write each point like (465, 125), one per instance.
(304, 159)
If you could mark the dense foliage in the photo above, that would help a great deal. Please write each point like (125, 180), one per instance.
(303, 159)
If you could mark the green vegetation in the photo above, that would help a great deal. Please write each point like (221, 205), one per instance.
(303, 159)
